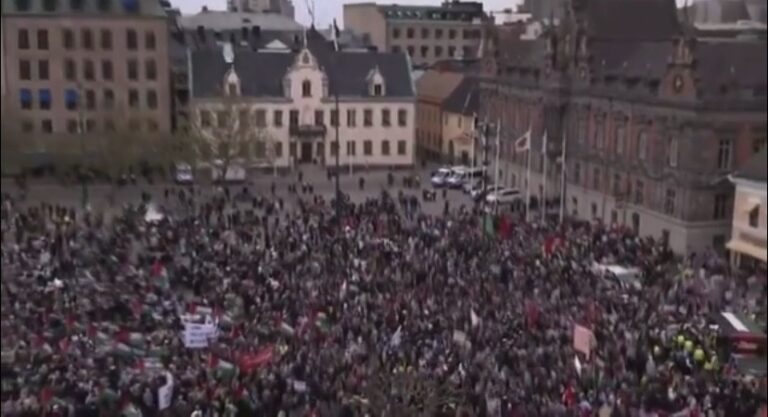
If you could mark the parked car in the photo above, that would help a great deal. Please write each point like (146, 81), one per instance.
(235, 172)
(182, 173)
(504, 196)
(479, 192)
(465, 175)
(439, 177)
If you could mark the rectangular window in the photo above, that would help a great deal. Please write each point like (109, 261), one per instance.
(674, 149)
(25, 98)
(395, 33)
(23, 40)
(639, 193)
(44, 96)
(620, 139)
(642, 145)
(42, 39)
(107, 72)
(133, 98)
(70, 70)
(46, 126)
(261, 118)
(451, 52)
(367, 148)
(754, 217)
(334, 118)
(244, 116)
(319, 118)
(109, 99)
(402, 147)
(68, 39)
(278, 147)
(367, 117)
(385, 118)
(90, 125)
(150, 69)
(133, 70)
(424, 51)
(25, 70)
(402, 118)
(306, 89)
(409, 33)
(334, 148)
(293, 118)
(222, 119)
(27, 126)
(351, 148)
(451, 33)
(106, 39)
(150, 42)
(385, 147)
(131, 40)
(43, 72)
(577, 173)
(152, 99)
(424, 33)
(438, 51)
(596, 179)
(277, 118)
(70, 99)
(438, 33)
(617, 190)
(724, 154)
(72, 126)
(669, 202)
(721, 207)
(89, 72)
(87, 39)
(205, 118)
(90, 99)
(351, 118)
(599, 134)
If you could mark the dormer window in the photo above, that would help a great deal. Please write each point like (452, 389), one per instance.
(306, 88)
(378, 89)
(305, 58)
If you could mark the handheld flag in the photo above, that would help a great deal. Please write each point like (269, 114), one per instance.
(523, 143)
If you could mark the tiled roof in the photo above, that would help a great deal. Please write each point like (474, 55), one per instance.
(756, 169)
(637, 20)
(261, 72)
(465, 98)
(84, 7)
(642, 60)
(438, 85)
(219, 20)
(724, 63)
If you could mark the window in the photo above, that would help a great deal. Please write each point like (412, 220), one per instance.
(642, 145)
(106, 39)
(107, 72)
(152, 99)
(90, 99)
(133, 70)
(334, 148)
(351, 148)
(42, 39)
(409, 33)
(617, 184)
(669, 202)
(70, 99)
(244, 116)
(25, 98)
(396, 33)
(334, 118)
(277, 118)
(599, 134)
(72, 126)
(261, 118)
(378, 89)
(724, 154)
(673, 150)
(385, 147)
(293, 118)
(351, 118)
(367, 148)
(758, 144)
(109, 99)
(438, 33)
(319, 118)
(44, 96)
(205, 118)
(402, 147)
(278, 147)
(577, 173)
(68, 39)
(134, 125)
(133, 98)
(402, 118)
(222, 119)
(150, 69)
(25, 70)
(411, 51)
(131, 40)
(754, 217)
(87, 39)
(152, 125)
(70, 70)
(150, 42)
(46, 126)
(620, 139)
(89, 72)
(438, 51)
(451, 52)
(396, 49)
(425, 33)
(385, 118)
(23, 40)
(367, 117)
(90, 125)
(596, 179)
(43, 72)
(424, 51)
(451, 33)
(721, 206)
(639, 192)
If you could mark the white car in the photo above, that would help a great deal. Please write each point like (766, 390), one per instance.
(235, 173)
(479, 192)
(504, 196)
(183, 174)
(440, 177)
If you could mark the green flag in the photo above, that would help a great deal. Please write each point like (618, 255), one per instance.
(488, 226)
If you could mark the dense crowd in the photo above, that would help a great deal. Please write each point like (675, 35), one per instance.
(366, 313)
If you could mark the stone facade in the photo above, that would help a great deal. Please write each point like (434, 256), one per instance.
(652, 119)
(750, 222)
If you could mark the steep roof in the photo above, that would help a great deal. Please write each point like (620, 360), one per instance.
(464, 99)
(262, 72)
(438, 85)
(638, 20)
(756, 169)
(86, 8)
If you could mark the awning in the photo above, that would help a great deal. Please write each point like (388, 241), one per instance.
(748, 249)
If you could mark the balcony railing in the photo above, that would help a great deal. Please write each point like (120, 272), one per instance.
(308, 130)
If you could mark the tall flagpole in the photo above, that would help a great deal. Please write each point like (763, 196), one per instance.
(563, 178)
(528, 180)
(543, 202)
(498, 146)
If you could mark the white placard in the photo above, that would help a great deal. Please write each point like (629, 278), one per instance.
(197, 336)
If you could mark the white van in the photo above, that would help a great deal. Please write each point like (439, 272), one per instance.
(235, 172)
(463, 176)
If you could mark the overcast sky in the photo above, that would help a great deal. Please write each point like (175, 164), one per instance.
(326, 10)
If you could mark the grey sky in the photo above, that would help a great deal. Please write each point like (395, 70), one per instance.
(326, 10)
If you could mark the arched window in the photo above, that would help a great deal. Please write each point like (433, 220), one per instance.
(306, 88)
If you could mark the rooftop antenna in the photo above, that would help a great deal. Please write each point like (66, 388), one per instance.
(311, 11)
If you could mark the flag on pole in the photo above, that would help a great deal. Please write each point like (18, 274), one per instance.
(335, 32)
(523, 143)
(488, 226)
(544, 144)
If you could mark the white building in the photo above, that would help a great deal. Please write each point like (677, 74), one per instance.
(290, 97)
(283, 7)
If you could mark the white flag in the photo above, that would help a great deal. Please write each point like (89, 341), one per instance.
(165, 393)
(523, 143)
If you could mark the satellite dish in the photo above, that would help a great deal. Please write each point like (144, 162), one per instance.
(229, 53)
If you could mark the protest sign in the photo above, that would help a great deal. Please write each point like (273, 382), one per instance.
(583, 339)
(197, 336)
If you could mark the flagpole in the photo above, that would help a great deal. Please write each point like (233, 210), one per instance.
(563, 178)
(528, 181)
(498, 146)
(543, 204)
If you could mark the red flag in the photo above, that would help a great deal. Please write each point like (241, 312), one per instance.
(569, 396)
(64, 344)
(122, 336)
(504, 227)
(46, 395)
(213, 361)
(157, 268)
(70, 321)
(140, 364)
(531, 313)
(250, 361)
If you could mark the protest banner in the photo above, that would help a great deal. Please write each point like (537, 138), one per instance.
(250, 361)
(197, 336)
(583, 339)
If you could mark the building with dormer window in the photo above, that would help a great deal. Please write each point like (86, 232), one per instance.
(292, 95)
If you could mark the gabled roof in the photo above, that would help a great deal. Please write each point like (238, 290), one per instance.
(261, 72)
(465, 98)
(756, 169)
(88, 8)
(637, 20)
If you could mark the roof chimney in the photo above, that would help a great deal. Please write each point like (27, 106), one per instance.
(205, 9)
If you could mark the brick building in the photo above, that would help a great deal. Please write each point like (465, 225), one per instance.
(654, 119)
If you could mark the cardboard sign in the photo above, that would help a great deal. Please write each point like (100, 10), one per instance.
(197, 336)
(583, 339)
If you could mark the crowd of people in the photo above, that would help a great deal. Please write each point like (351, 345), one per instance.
(360, 311)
